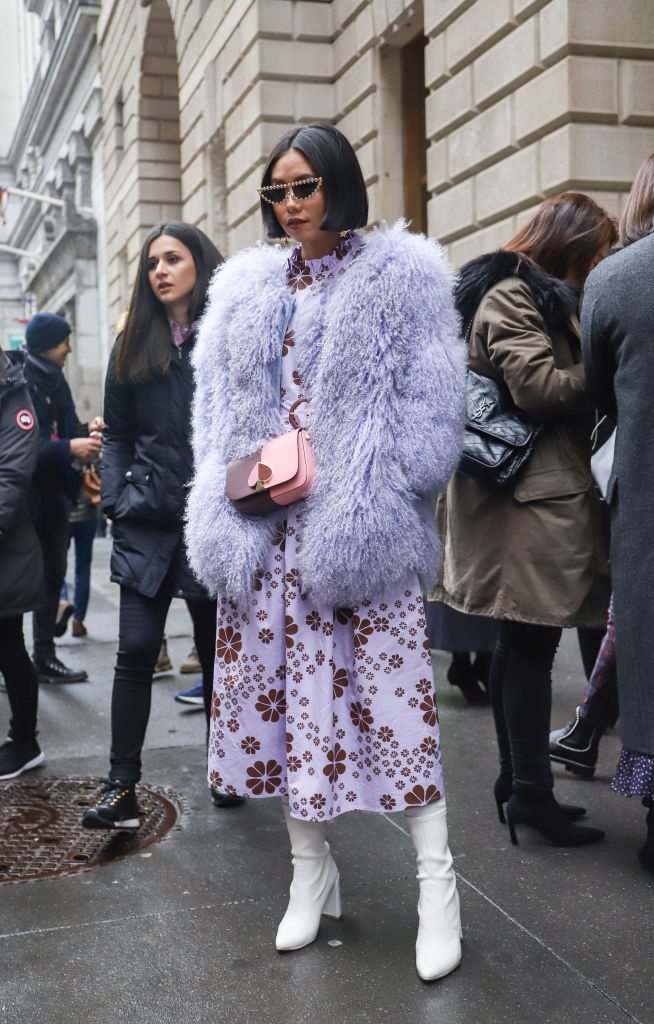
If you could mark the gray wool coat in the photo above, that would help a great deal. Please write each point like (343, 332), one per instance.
(618, 349)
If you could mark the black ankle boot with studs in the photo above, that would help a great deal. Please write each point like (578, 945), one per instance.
(576, 745)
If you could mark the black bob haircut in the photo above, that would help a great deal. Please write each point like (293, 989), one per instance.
(333, 159)
(144, 346)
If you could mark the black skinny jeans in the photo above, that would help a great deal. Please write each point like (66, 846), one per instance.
(520, 685)
(141, 630)
(20, 679)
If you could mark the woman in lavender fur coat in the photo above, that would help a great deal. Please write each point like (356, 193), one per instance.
(323, 690)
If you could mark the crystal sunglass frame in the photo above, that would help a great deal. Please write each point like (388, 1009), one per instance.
(292, 185)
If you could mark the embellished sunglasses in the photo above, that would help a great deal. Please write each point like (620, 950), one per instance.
(299, 190)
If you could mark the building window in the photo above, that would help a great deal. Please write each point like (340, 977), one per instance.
(413, 133)
(119, 125)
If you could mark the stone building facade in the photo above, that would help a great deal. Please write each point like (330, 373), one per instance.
(56, 150)
(465, 113)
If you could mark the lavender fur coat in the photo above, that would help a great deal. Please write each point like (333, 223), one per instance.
(383, 368)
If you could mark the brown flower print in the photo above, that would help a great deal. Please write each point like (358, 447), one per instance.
(228, 644)
(340, 681)
(317, 801)
(387, 801)
(419, 796)
(215, 779)
(430, 711)
(313, 621)
(215, 706)
(258, 579)
(297, 380)
(343, 615)
(362, 630)
(335, 765)
(395, 661)
(299, 277)
(289, 742)
(361, 717)
(293, 764)
(264, 776)
(291, 630)
(428, 745)
(385, 734)
(279, 538)
(250, 745)
(266, 636)
(380, 623)
(425, 686)
(289, 341)
(271, 705)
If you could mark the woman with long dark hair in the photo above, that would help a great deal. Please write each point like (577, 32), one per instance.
(323, 688)
(531, 553)
(147, 465)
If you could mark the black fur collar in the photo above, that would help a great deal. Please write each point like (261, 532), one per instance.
(554, 299)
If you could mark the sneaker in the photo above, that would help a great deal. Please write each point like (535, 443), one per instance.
(164, 664)
(191, 696)
(78, 628)
(117, 809)
(191, 665)
(16, 758)
(64, 612)
(54, 671)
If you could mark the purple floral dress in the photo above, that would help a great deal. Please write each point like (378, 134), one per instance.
(333, 708)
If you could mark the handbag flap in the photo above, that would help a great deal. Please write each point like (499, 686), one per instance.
(274, 464)
(488, 412)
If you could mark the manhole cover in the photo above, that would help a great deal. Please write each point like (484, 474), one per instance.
(41, 835)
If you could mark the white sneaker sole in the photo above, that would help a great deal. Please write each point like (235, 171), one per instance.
(34, 763)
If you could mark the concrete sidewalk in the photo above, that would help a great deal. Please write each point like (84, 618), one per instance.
(184, 932)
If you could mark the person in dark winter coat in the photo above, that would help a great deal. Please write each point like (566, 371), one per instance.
(62, 441)
(21, 568)
(531, 553)
(146, 466)
(616, 330)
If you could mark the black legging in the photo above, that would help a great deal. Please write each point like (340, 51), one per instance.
(141, 630)
(20, 679)
(520, 685)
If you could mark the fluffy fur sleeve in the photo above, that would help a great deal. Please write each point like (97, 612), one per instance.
(386, 419)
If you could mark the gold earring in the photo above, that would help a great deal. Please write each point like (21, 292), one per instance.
(343, 234)
(285, 242)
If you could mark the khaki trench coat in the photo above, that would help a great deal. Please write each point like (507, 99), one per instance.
(533, 551)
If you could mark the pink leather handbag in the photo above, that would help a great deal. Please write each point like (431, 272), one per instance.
(278, 474)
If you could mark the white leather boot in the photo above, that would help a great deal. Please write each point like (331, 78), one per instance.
(438, 946)
(315, 888)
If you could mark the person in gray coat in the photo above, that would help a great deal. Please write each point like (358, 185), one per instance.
(617, 330)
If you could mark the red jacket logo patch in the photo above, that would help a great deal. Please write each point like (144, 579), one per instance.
(24, 419)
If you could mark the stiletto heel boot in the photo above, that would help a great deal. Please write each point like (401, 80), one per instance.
(646, 852)
(502, 792)
(315, 889)
(548, 818)
(438, 945)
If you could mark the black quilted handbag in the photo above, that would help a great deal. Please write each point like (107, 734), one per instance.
(498, 438)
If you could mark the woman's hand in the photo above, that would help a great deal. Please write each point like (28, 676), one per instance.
(85, 447)
(96, 424)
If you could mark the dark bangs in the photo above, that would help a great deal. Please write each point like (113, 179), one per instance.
(334, 160)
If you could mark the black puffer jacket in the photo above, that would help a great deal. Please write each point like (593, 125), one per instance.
(147, 464)
(21, 562)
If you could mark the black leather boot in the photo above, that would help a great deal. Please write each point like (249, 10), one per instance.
(542, 812)
(646, 852)
(576, 745)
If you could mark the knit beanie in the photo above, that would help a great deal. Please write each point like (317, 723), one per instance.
(45, 331)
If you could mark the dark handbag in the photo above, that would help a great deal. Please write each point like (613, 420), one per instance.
(498, 438)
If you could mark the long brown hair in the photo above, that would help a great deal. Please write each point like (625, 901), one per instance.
(638, 217)
(564, 235)
(144, 346)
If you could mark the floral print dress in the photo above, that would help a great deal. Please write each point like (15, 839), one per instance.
(332, 708)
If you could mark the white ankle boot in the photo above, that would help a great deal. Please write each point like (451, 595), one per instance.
(438, 946)
(315, 888)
